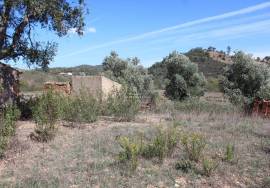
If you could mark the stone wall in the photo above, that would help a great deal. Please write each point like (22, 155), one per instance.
(60, 87)
(9, 84)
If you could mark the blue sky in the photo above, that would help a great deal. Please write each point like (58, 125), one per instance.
(151, 29)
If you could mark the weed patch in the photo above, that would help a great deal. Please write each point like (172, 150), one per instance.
(229, 153)
(8, 117)
(130, 152)
(162, 145)
(194, 145)
(83, 108)
(47, 112)
(123, 104)
(209, 166)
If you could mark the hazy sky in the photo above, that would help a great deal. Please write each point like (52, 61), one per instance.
(151, 29)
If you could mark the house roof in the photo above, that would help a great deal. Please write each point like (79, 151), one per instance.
(3, 65)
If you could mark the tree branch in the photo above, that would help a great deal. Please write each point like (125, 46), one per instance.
(4, 25)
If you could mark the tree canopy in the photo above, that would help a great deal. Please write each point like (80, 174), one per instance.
(128, 72)
(246, 79)
(184, 78)
(19, 19)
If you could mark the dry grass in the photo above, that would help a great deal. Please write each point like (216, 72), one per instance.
(87, 157)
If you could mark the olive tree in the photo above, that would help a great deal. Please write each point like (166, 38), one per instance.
(20, 19)
(184, 78)
(128, 72)
(245, 79)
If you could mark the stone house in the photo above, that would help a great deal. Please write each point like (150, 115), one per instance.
(9, 84)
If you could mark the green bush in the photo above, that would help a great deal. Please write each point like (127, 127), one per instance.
(47, 112)
(83, 108)
(245, 80)
(209, 166)
(194, 145)
(230, 153)
(184, 78)
(130, 152)
(123, 104)
(162, 145)
(266, 182)
(157, 148)
(8, 117)
(161, 104)
(128, 72)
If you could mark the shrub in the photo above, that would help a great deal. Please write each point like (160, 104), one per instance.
(157, 148)
(47, 112)
(183, 76)
(83, 108)
(266, 182)
(200, 106)
(184, 165)
(245, 79)
(130, 152)
(194, 144)
(209, 166)
(229, 154)
(162, 145)
(8, 117)
(161, 104)
(123, 104)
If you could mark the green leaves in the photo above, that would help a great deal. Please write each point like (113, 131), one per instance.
(184, 79)
(18, 23)
(245, 79)
(128, 72)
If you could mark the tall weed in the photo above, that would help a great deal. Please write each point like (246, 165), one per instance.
(83, 108)
(47, 112)
(129, 153)
(8, 117)
(123, 104)
(194, 145)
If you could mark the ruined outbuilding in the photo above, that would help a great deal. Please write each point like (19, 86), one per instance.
(61, 87)
(9, 84)
(95, 85)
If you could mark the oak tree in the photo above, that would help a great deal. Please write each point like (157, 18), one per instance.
(20, 19)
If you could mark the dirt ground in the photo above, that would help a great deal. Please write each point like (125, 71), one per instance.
(87, 156)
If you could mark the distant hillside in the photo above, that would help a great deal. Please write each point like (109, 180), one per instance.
(78, 70)
(210, 63)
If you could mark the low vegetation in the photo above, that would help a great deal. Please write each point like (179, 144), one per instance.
(123, 105)
(112, 142)
(194, 145)
(8, 117)
(46, 113)
(83, 108)
(129, 73)
(245, 80)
